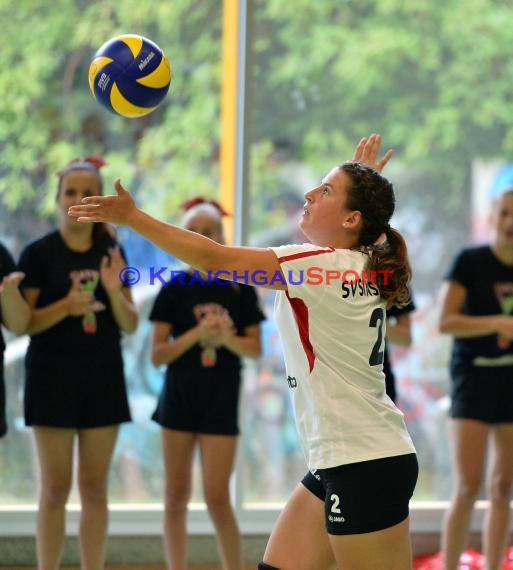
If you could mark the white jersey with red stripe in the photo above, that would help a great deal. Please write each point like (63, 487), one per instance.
(332, 325)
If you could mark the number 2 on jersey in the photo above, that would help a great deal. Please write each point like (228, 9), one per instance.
(377, 321)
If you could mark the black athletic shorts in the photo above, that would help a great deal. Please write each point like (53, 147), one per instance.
(200, 402)
(483, 393)
(79, 393)
(367, 496)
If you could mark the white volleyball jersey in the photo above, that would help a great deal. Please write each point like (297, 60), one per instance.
(333, 338)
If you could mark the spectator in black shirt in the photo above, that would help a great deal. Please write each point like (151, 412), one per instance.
(201, 331)
(75, 387)
(477, 310)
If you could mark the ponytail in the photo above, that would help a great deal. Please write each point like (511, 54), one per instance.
(373, 195)
(392, 268)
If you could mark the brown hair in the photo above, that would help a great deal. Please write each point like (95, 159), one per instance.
(92, 164)
(373, 195)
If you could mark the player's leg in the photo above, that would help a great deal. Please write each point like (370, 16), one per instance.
(499, 486)
(55, 454)
(217, 462)
(95, 449)
(388, 549)
(299, 540)
(177, 451)
(468, 442)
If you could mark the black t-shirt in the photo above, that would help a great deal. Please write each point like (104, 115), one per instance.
(7, 266)
(47, 263)
(183, 305)
(489, 285)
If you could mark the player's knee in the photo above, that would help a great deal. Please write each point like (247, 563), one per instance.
(264, 566)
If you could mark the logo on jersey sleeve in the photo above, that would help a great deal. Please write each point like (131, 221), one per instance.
(292, 382)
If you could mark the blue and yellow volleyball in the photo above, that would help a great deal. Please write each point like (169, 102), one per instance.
(130, 75)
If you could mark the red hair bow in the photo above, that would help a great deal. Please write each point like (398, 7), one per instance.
(188, 204)
(95, 160)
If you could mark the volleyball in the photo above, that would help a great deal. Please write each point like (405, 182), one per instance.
(130, 75)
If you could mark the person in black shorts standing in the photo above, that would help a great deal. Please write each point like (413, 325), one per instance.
(202, 328)
(477, 310)
(75, 387)
(14, 315)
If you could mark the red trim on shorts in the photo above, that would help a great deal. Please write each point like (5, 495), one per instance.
(301, 314)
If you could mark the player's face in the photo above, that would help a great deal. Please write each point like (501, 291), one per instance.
(206, 225)
(501, 220)
(325, 212)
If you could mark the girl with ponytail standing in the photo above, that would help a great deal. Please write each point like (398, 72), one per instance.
(75, 390)
(354, 438)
